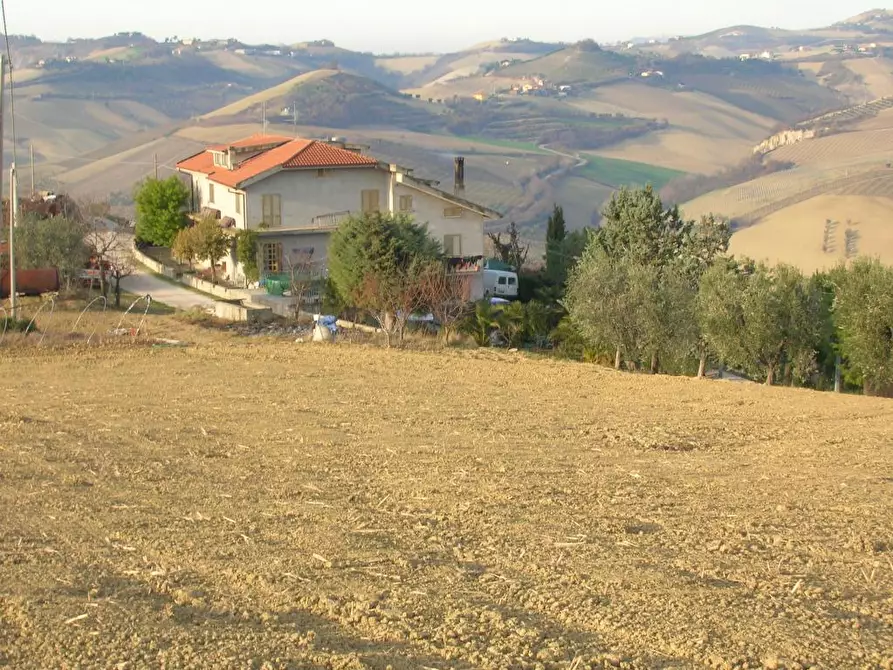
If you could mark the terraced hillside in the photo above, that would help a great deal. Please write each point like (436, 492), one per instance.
(847, 176)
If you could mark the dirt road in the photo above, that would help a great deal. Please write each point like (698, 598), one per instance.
(273, 505)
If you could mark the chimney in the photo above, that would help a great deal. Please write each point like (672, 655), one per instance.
(459, 175)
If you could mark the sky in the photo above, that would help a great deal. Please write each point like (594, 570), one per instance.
(414, 26)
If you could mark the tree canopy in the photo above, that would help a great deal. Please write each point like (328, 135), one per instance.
(160, 210)
(863, 309)
(376, 262)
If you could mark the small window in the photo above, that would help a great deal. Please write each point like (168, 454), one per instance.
(452, 245)
(272, 210)
(323, 172)
(369, 201)
(238, 197)
(452, 213)
(211, 193)
(272, 256)
(511, 281)
(405, 203)
(502, 281)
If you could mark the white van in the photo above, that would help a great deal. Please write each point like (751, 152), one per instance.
(501, 283)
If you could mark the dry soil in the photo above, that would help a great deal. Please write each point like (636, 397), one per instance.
(257, 504)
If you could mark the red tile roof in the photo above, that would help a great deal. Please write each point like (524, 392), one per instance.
(294, 154)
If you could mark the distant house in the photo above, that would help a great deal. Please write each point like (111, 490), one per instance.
(295, 192)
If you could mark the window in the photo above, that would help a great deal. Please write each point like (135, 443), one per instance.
(272, 256)
(452, 245)
(238, 197)
(272, 210)
(370, 201)
(452, 213)
(210, 193)
(512, 281)
(323, 172)
(502, 281)
(404, 203)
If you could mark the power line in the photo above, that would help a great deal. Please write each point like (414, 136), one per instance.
(12, 104)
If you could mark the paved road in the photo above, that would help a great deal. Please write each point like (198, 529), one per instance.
(172, 295)
(142, 281)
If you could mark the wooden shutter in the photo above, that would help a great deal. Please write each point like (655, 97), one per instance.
(370, 201)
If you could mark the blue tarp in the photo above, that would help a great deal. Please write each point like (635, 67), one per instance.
(327, 321)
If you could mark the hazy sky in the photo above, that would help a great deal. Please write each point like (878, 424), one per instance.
(416, 25)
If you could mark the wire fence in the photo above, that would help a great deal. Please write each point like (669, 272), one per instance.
(43, 324)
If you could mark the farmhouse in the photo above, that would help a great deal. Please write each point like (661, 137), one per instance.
(295, 192)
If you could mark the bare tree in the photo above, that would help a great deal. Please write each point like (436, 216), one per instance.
(448, 296)
(303, 277)
(391, 298)
(512, 251)
(120, 265)
(103, 238)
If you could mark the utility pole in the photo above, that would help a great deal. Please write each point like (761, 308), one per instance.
(12, 272)
(2, 82)
(155, 162)
(294, 110)
(265, 118)
(31, 152)
(13, 215)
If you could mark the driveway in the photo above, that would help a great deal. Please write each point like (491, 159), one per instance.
(179, 297)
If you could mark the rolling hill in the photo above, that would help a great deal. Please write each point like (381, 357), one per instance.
(843, 176)
(539, 122)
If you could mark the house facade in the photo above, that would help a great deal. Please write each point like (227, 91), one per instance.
(295, 192)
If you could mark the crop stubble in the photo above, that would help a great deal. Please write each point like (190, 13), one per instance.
(263, 504)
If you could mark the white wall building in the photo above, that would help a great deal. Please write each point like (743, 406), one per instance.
(296, 191)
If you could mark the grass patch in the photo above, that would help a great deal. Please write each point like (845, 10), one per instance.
(127, 299)
(503, 144)
(615, 172)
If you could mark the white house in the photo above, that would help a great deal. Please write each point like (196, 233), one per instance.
(295, 192)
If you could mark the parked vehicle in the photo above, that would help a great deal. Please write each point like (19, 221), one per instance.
(500, 283)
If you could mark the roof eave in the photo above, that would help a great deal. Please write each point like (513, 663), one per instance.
(486, 212)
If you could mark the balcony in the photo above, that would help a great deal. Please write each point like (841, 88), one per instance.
(465, 264)
(328, 221)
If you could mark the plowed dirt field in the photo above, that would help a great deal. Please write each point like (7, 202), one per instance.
(254, 504)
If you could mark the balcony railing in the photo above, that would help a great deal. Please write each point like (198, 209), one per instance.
(327, 221)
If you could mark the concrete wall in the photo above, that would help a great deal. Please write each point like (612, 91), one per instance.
(234, 312)
(429, 209)
(304, 195)
(214, 289)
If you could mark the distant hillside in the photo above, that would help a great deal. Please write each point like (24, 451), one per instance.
(770, 89)
(584, 63)
(343, 100)
(469, 62)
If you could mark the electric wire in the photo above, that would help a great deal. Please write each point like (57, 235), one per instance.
(12, 104)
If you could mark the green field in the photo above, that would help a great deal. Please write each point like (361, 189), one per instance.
(617, 173)
(504, 144)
